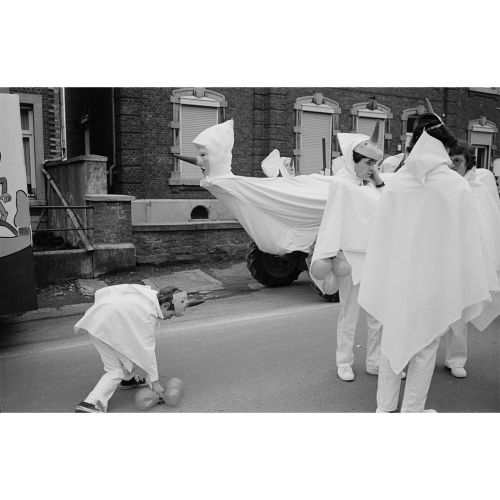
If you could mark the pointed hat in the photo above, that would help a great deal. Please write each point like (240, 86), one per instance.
(370, 147)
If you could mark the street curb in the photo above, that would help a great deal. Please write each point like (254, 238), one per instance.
(46, 313)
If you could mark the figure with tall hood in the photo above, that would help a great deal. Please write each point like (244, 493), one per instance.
(488, 216)
(342, 242)
(121, 325)
(424, 270)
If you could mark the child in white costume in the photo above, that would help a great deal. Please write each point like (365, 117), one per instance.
(121, 324)
(488, 210)
(343, 234)
(424, 270)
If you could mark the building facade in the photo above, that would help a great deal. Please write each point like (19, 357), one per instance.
(138, 129)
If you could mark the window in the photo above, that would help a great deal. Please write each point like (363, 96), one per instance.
(195, 109)
(365, 116)
(316, 124)
(32, 136)
(27, 128)
(481, 135)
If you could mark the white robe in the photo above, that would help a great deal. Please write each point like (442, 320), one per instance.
(349, 212)
(125, 317)
(424, 268)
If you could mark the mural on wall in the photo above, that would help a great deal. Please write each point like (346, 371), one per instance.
(16, 254)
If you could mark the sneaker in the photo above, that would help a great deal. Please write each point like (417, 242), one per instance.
(459, 372)
(85, 407)
(345, 373)
(133, 383)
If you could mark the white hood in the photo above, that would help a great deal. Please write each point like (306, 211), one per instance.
(427, 155)
(217, 141)
(347, 143)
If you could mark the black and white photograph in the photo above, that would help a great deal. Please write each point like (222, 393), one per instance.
(237, 247)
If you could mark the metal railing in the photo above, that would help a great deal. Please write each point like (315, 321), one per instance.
(83, 227)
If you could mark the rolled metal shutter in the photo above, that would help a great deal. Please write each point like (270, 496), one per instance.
(193, 120)
(315, 127)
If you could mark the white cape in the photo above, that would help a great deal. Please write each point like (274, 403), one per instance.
(424, 268)
(349, 212)
(125, 317)
(280, 214)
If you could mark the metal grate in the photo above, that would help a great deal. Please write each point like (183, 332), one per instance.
(194, 280)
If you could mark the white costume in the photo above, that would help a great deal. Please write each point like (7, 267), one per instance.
(423, 270)
(121, 324)
(345, 227)
(487, 205)
(391, 163)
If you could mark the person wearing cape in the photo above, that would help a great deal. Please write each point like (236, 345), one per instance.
(424, 271)
(488, 215)
(342, 241)
(121, 324)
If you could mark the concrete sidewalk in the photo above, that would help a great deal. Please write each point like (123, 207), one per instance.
(71, 297)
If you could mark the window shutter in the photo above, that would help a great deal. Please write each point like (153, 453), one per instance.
(193, 120)
(315, 127)
(481, 138)
(367, 125)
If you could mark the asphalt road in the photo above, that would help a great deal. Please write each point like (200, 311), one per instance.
(266, 351)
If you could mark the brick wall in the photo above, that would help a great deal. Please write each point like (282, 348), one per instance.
(264, 120)
(51, 117)
(112, 220)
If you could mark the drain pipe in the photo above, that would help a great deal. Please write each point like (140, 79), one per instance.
(64, 149)
(113, 129)
(62, 117)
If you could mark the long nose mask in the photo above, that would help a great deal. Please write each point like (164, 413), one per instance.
(190, 159)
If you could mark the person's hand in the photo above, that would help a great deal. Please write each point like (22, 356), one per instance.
(157, 387)
(375, 177)
(5, 197)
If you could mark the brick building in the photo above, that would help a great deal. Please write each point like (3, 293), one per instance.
(132, 133)
(138, 129)
(152, 123)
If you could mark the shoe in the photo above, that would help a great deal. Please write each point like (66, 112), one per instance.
(458, 372)
(85, 407)
(429, 411)
(133, 383)
(345, 373)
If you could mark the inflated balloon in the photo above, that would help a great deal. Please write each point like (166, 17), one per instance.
(320, 268)
(341, 267)
(173, 392)
(146, 398)
(330, 284)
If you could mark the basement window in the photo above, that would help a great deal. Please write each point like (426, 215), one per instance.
(199, 212)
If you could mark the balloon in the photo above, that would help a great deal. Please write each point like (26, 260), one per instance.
(341, 267)
(330, 284)
(320, 268)
(173, 392)
(146, 398)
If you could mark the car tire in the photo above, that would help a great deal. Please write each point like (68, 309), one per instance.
(275, 270)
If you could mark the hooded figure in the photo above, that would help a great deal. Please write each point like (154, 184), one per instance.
(121, 324)
(488, 218)
(424, 269)
(342, 242)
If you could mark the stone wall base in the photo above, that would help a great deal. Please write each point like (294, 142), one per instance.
(184, 243)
